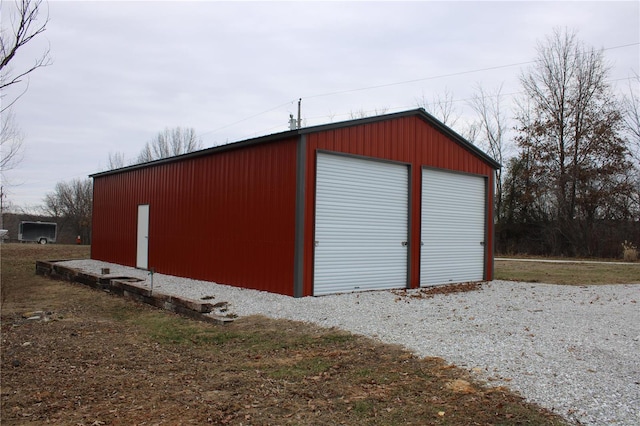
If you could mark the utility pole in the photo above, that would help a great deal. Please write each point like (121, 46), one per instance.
(293, 123)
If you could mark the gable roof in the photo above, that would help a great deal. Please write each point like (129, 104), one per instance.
(419, 112)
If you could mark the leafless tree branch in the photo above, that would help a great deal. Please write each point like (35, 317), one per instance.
(169, 143)
(11, 142)
(631, 110)
(492, 128)
(26, 25)
(442, 107)
(116, 160)
(74, 202)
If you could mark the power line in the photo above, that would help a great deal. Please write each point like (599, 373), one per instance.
(488, 96)
(455, 74)
(359, 89)
(247, 118)
(404, 107)
(417, 80)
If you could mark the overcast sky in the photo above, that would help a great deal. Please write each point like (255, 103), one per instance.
(123, 71)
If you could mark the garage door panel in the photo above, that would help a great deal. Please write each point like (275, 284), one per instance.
(359, 272)
(361, 222)
(453, 227)
(339, 209)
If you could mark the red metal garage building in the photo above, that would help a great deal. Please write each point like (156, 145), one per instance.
(393, 201)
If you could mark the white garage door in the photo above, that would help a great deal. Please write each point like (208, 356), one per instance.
(361, 225)
(453, 228)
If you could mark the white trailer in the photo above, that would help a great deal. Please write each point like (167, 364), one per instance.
(38, 232)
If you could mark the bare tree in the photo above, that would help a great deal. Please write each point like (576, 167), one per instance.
(492, 129)
(571, 137)
(11, 142)
(631, 109)
(169, 143)
(525, 196)
(26, 25)
(72, 202)
(471, 132)
(116, 160)
(442, 107)
(361, 113)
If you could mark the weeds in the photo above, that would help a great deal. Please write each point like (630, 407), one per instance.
(629, 252)
(167, 329)
(310, 368)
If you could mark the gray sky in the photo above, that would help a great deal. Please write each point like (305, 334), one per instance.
(123, 71)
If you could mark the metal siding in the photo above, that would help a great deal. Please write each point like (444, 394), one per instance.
(361, 224)
(409, 140)
(453, 227)
(227, 217)
(110, 224)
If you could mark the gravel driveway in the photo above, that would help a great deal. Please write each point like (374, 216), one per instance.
(572, 349)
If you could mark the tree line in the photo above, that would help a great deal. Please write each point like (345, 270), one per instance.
(572, 187)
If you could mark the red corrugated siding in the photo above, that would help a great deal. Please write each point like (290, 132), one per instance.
(226, 217)
(409, 140)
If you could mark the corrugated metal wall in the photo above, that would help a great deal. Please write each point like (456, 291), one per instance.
(408, 139)
(226, 217)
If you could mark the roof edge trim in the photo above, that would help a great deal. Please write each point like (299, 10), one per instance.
(420, 112)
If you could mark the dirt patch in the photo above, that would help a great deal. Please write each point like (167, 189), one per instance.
(75, 355)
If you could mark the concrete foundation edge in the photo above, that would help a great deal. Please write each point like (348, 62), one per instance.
(125, 286)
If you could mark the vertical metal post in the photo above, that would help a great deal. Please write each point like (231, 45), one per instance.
(151, 271)
(299, 119)
(298, 254)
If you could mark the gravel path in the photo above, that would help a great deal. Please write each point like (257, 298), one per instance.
(572, 349)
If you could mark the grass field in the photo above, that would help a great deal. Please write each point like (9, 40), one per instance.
(568, 273)
(88, 357)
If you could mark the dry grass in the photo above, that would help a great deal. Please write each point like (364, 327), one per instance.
(567, 273)
(18, 269)
(102, 359)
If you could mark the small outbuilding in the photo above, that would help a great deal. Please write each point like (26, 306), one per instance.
(393, 201)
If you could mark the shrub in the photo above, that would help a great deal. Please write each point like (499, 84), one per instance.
(629, 252)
